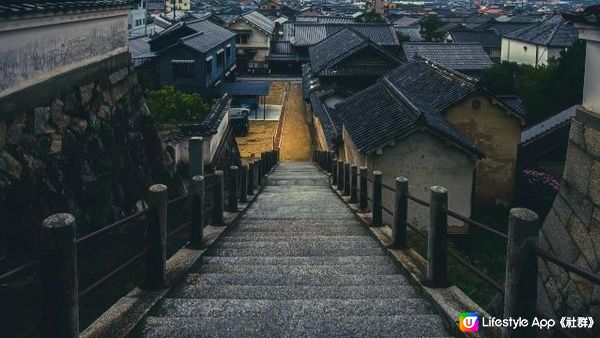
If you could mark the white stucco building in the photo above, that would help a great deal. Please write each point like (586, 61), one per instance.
(537, 43)
(50, 39)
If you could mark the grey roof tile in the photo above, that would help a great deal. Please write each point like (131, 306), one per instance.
(342, 45)
(486, 38)
(208, 36)
(381, 114)
(552, 32)
(309, 34)
(458, 56)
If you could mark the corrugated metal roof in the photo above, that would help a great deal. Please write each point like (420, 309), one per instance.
(457, 56)
(265, 24)
(549, 124)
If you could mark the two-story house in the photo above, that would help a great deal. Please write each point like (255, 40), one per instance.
(254, 33)
(195, 56)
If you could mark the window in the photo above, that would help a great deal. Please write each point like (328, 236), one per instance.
(476, 104)
(228, 52)
(220, 61)
(242, 37)
(183, 69)
(209, 67)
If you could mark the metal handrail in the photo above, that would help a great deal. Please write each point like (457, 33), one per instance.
(180, 198)
(492, 282)
(178, 229)
(418, 200)
(568, 266)
(19, 269)
(475, 223)
(118, 269)
(112, 226)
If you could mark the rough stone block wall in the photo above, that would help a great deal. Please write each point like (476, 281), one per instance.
(82, 143)
(572, 229)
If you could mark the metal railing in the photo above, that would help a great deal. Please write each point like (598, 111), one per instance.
(58, 265)
(520, 285)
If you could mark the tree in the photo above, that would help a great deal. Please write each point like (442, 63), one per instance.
(429, 25)
(402, 37)
(371, 16)
(545, 89)
(169, 106)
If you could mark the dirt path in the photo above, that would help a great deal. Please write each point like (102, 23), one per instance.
(259, 138)
(276, 93)
(295, 140)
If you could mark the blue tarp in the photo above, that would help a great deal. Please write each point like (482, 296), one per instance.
(246, 88)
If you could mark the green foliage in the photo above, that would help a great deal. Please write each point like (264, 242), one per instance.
(429, 26)
(402, 37)
(170, 106)
(370, 17)
(545, 90)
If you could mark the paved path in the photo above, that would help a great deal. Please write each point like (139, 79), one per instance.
(298, 264)
(295, 139)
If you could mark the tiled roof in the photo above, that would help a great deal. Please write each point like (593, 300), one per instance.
(552, 32)
(36, 7)
(589, 16)
(458, 56)
(412, 32)
(208, 36)
(431, 86)
(514, 102)
(380, 114)
(140, 48)
(340, 46)
(547, 125)
(309, 34)
(326, 19)
(330, 121)
(486, 38)
(262, 22)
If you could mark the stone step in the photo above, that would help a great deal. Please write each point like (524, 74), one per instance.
(297, 261)
(178, 307)
(364, 242)
(276, 237)
(287, 279)
(292, 292)
(298, 182)
(297, 251)
(266, 229)
(321, 270)
(284, 216)
(271, 325)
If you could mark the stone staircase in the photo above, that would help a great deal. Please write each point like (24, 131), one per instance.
(298, 264)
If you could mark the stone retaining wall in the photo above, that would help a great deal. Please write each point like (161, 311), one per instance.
(572, 229)
(81, 142)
